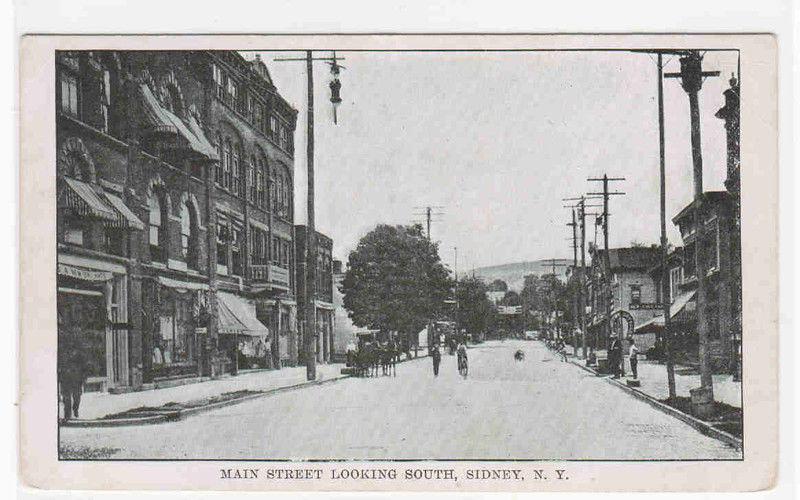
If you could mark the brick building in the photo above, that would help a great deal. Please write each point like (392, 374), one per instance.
(323, 293)
(175, 214)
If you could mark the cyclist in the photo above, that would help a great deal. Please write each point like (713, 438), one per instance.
(462, 354)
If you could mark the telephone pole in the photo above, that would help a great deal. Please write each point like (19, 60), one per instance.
(553, 264)
(310, 247)
(581, 222)
(576, 299)
(431, 214)
(692, 76)
(607, 293)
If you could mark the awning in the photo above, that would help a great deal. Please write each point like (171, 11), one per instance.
(84, 200)
(126, 216)
(237, 316)
(182, 285)
(657, 324)
(165, 119)
(83, 274)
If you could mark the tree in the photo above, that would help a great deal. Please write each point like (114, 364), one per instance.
(475, 308)
(498, 285)
(395, 281)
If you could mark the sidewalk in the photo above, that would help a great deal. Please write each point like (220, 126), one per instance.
(96, 405)
(653, 377)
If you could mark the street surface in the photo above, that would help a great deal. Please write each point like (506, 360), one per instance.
(540, 408)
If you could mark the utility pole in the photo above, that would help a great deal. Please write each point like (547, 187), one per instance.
(581, 206)
(310, 247)
(606, 261)
(455, 290)
(431, 214)
(665, 292)
(553, 265)
(692, 76)
(576, 299)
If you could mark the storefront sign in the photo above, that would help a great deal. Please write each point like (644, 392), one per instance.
(646, 306)
(83, 274)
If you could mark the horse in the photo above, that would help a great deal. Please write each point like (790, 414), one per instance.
(519, 355)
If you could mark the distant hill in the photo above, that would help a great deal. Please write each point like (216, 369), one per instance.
(514, 274)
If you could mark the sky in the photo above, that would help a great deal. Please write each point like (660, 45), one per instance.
(498, 139)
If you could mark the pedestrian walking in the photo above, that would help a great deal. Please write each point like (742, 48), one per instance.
(436, 355)
(633, 354)
(72, 370)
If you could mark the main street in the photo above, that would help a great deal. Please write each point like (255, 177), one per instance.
(541, 408)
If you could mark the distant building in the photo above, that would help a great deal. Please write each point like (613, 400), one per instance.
(344, 332)
(323, 297)
(628, 286)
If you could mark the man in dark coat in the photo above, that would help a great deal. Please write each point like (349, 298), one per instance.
(72, 370)
(436, 355)
(615, 356)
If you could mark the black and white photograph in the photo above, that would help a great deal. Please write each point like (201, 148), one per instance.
(360, 255)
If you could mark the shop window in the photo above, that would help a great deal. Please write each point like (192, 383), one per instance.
(157, 229)
(176, 343)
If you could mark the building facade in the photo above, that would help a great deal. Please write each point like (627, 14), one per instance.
(175, 214)
(323, 294)
(623, 284)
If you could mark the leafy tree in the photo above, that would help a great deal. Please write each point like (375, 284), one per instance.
(475, 310)
(395, 281)
(498, 285)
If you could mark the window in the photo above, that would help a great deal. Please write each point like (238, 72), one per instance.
(223, 238)
(233, 92)
(189, 236)
(257, 115)
(675, 280)
(284, 138)
(260, 186)
(114, 240)
(236, 174)
(636, 295)
(219, 81)
(251, 180)
(218, 166)
(157, 223)
(105, 100)
(711, 246)
(273, 127)
(226, 165)
(236, 254)
(69, 94)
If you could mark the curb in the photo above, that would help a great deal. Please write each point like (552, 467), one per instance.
(699, 425)
(175, 415)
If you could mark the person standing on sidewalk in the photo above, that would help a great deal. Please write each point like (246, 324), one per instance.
(633, 353)
(72, 370)
(436, 356)
(615, 357)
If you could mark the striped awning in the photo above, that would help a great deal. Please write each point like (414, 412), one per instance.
(236, 315)
(126, 216)
(165, 120)
(84, 200)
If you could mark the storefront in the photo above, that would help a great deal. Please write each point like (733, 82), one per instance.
(92, 303)
(241, 334)
(176, 327)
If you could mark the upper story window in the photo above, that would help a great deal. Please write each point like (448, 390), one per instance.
(189, 235)
(221, 155)
(69, 93)
(251, 180)
(675, 280)
(236, 250)
(236, 174)
(157, 228)
(226, 165)
(273, 127)
(223, 239)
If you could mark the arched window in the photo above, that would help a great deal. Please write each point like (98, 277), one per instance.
(157, 224)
